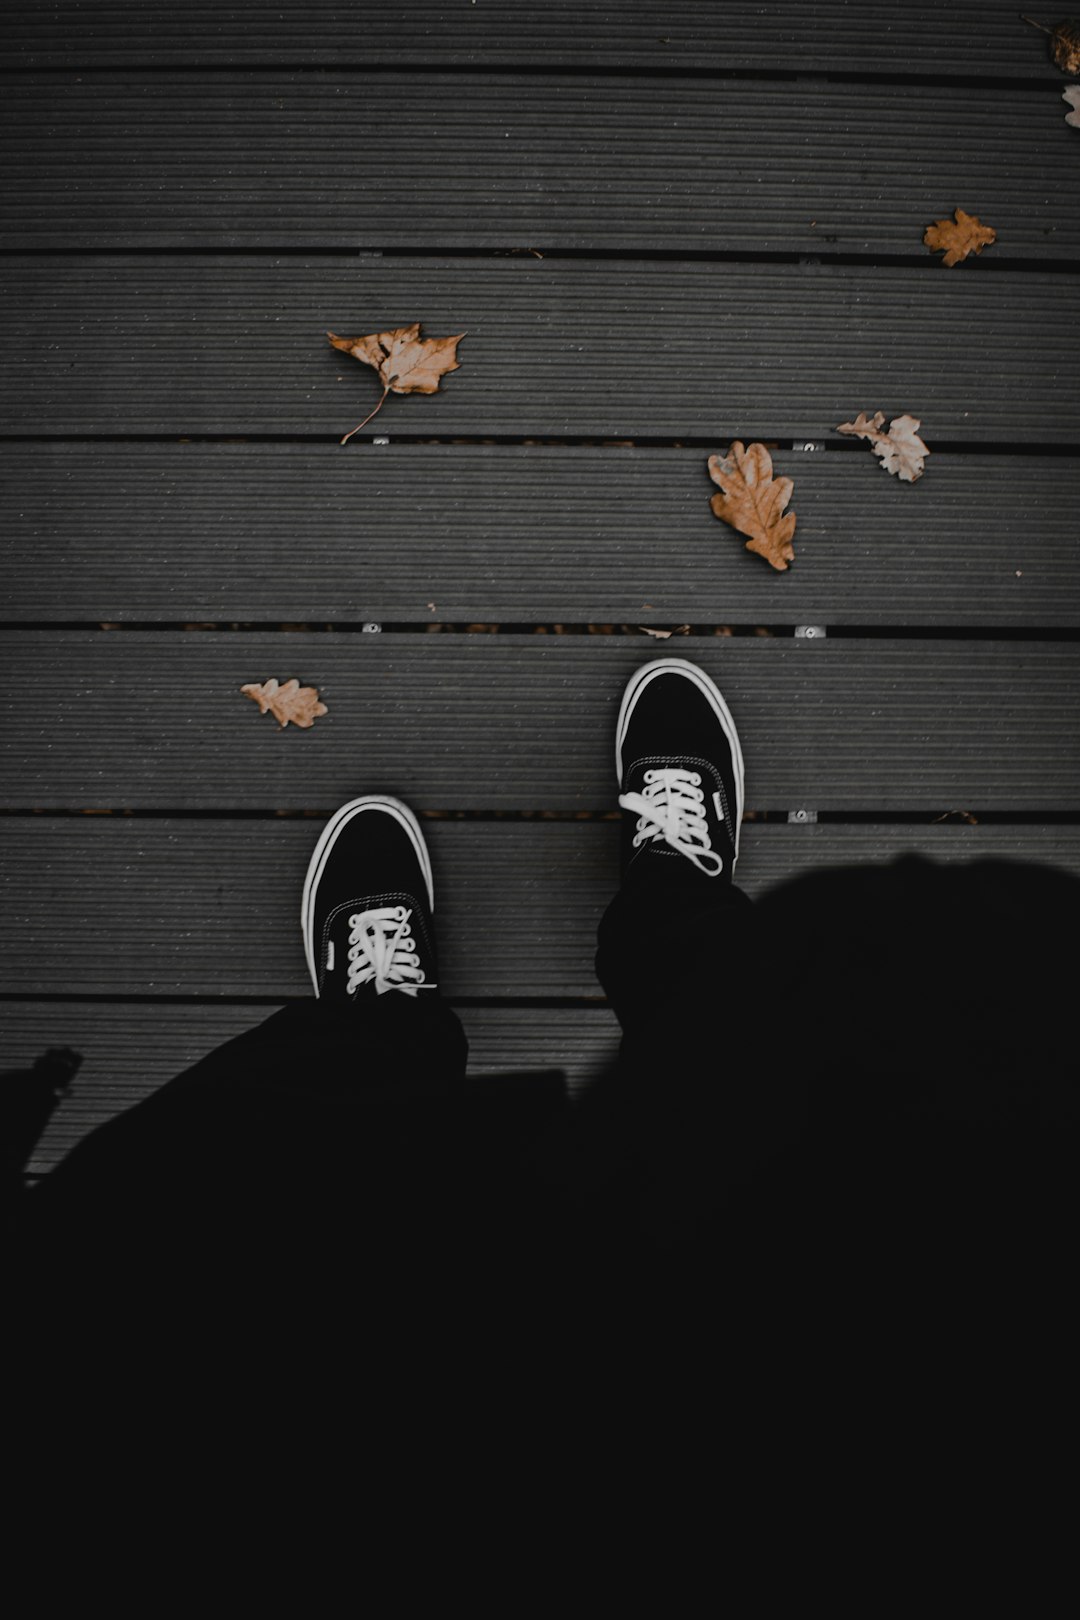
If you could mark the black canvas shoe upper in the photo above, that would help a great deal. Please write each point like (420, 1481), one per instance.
(367, 904)
(680, 770)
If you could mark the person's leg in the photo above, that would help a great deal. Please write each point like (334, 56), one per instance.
(367, 922)
(305, 1122)
(681, 786)
(693, 1103)
(668, 941)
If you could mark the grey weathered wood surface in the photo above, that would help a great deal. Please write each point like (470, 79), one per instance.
(194, 194)
(517, 722)
(968, 38)
(541, 534)
(622, 348)
(264, 159)
(209, 907)
(211, 897)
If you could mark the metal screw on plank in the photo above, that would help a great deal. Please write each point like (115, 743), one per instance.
(808, 446)
(802, 816)
(810, 632)
(372, 629)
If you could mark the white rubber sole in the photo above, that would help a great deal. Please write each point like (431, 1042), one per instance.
(330, 834)
(682, 666)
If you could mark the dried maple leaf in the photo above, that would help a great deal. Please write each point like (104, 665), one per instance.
(1064, 43)
(901, 450)
(1073, 98)
(406, 362)
(753, 502)
(956, 239)
(294, 702)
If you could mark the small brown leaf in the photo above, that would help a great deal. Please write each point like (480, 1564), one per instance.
(753, 502)
(406, 362)
(956, 240)
(1073, 98)
(1064, 43)
(294, 702)
(901, 450)
(864, 426)
(1065, 46)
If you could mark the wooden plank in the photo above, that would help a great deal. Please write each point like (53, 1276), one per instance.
(211, 908)
(271, 160)
(517, 535)
(525, 722)
(965, 38)
(128, 908)
(129, 1049)
(516, 906)
(237, 346)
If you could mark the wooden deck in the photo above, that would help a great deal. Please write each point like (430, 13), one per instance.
(663, 228)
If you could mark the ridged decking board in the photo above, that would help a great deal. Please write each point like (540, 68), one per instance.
(965, 38)
(512, 534)
(194, 193)
(220, 928)
(131, 1048)
(597, 349)
(526, 722)
(211, 907)
(268, 159)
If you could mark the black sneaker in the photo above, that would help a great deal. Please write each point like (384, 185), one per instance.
(367, 905)
(680, 769)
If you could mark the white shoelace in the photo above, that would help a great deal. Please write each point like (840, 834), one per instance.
(382, 949)
(672, 807)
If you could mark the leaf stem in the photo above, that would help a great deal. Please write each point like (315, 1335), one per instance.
(368, 417)
(1034, 24)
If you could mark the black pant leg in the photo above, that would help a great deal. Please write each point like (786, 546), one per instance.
(670, 939)
(692, 1110)
(323, 1132)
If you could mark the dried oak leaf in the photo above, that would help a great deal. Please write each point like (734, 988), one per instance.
(1065, 46)
(956, 239)
(1064, 43)
(753, 502)
(294, 702)
(901, 450)
(1073, 98)
(406, 362)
